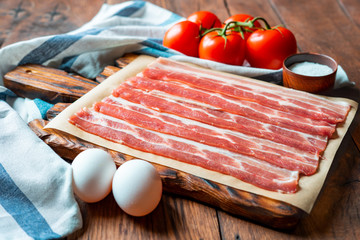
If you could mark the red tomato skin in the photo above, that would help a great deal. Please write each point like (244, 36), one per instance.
(213, 47)
(205, 19)
(184, 37)
(269, 48)
(242, 18)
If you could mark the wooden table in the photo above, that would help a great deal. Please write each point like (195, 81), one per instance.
(331, 27)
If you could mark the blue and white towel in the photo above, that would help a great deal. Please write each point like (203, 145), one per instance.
(36, 195)
(36, 198)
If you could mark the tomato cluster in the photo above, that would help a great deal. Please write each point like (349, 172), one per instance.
(238, 38)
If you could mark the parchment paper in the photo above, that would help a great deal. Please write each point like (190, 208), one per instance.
(310, 186)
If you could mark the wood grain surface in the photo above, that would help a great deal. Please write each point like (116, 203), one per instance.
(49, 84)
(331, 27)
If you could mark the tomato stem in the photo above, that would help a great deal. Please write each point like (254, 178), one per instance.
(238, 26)
(210, 30)
(267, 26)
(223, 32)
(229, 25)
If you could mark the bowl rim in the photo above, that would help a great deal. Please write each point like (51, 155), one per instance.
(334, 68)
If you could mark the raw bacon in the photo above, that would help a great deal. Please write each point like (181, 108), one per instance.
(277, 154)
(245, 168)
(169, 104)
(288, 100)
(248, 109)
(262, 134)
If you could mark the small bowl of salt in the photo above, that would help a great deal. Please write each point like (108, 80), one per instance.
(310, 72)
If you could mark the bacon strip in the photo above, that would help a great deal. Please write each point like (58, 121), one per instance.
(248, 109)
(215, 117)
(277, 154)
(283, 99)
(245, 168)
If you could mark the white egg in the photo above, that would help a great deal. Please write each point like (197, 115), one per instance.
(93, 171)
(137, 187)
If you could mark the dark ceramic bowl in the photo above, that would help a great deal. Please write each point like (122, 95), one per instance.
(304, 82)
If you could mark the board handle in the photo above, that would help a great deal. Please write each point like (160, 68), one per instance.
(49, 84)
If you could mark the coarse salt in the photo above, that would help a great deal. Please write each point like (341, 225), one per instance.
(310, 69)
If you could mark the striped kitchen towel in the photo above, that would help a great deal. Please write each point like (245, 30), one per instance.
(36, 198)
(35, 184)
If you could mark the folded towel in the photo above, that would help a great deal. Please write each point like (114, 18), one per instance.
(35, 184)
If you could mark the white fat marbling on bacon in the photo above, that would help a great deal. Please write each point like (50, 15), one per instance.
(244, 108)
(275, 153)
(284, 99)
(206, 114)
(245, 168)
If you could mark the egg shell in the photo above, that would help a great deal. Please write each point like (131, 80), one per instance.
(93, 170)
(137, 187)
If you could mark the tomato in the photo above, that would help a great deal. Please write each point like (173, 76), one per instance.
(244, 18)
(205, 20)
(268, 48)
(228, 49)
(184, 37)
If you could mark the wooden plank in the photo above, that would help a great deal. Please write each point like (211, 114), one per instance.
(356, 136)
(186, 7)
(22, 20)
(174, 218)
(55, 110)
(351, 9)
(125, 60)
(49, 84)
(108, 71)
(256, 8)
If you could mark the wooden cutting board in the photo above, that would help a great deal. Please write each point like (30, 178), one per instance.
(61, 88)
